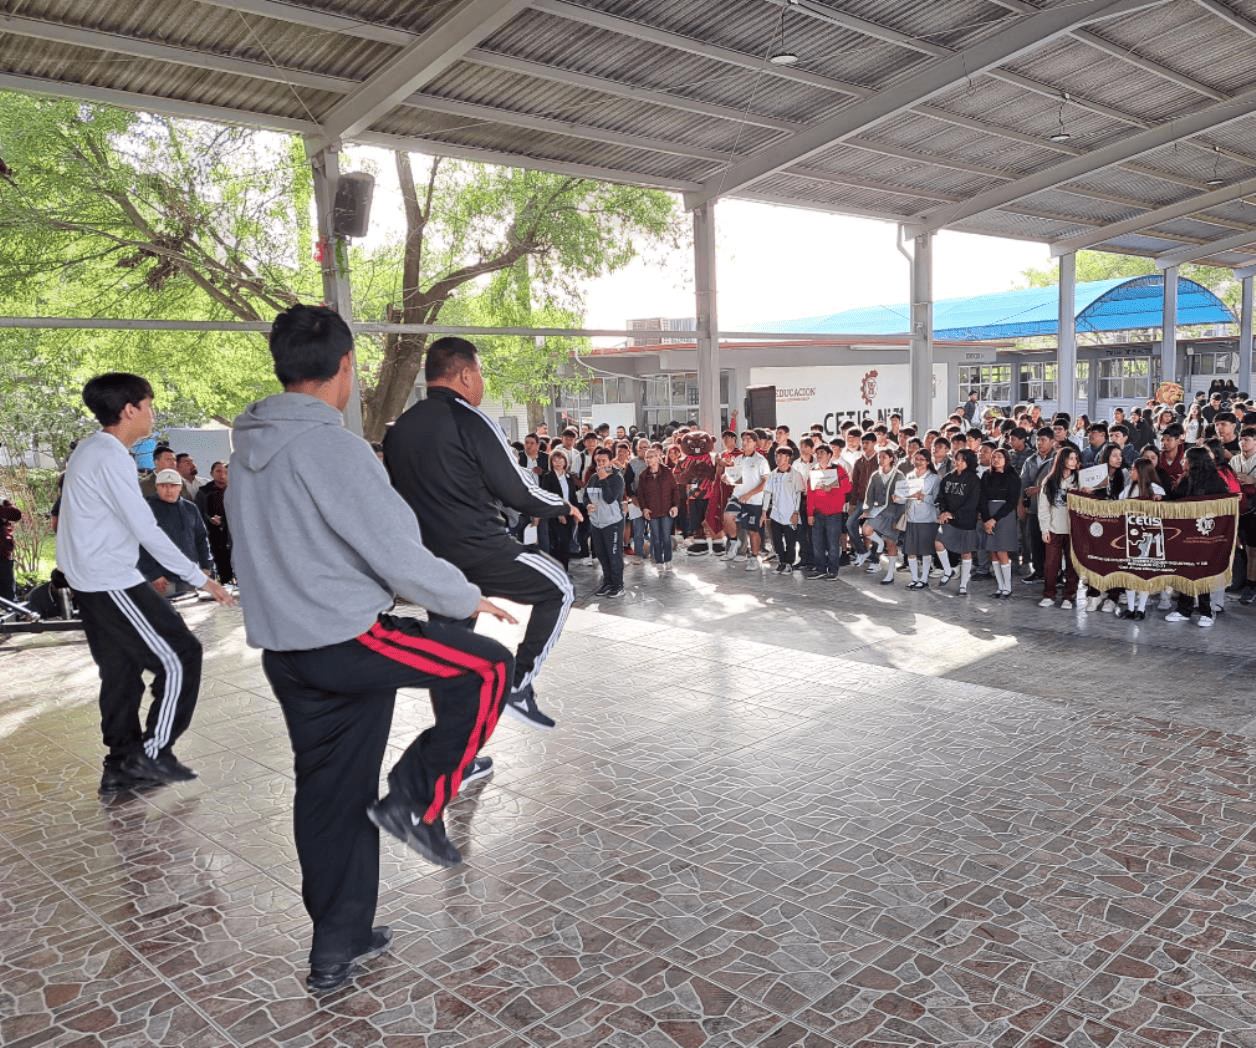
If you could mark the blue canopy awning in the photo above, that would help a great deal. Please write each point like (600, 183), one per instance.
(1123, 304)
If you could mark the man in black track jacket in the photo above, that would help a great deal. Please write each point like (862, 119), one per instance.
(452, 464)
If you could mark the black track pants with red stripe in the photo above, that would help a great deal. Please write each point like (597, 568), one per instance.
(338, 703)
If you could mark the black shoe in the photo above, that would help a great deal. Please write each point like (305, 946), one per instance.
(171, 765)
(812, 573)
(480, 768)
(324, 978)
(615, 591)
(1249, 595)
(602, 590)
(843, 560)
(521, 704)
(140, 765)
(114, 780)
(393, 815)
(1030, 580)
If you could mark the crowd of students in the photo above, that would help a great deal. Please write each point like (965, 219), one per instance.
(983, 496)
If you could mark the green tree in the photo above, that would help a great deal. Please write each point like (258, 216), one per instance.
(109, 213)
(512, 247)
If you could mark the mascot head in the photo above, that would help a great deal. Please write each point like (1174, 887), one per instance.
(695, 442)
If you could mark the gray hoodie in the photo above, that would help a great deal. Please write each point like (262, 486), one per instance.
(322, 541)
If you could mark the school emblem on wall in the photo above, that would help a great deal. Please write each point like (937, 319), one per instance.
(868, 387)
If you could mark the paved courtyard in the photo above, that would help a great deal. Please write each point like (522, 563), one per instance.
(775, 812)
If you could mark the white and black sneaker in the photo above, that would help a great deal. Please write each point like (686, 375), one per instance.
(480, 768)
(521, 704)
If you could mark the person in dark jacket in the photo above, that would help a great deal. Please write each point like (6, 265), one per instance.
(210, 501)
(658, 495)
(1200, 480)
(558, 532)
(9, 516)
(452, 463)
(1000, 495)
(181, 520)
(958, 504)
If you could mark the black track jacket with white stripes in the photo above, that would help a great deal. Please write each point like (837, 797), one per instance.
(452, 463)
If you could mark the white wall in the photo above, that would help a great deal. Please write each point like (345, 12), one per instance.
(831, 394)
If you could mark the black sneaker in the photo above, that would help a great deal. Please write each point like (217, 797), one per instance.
(813, 573)
(602, 590)
(1030, 580)
(393, 815)
(171, 765)
(141, 766)
(615, 591)
(480, 768)
(521, 704)
(324, 978)
(780, 568)
(114, 780)
(1249, 595)
(829, 576)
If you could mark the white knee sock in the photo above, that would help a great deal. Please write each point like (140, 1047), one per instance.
(889, 571)
(945, 558)
(965, 571)
(1131, 597)
(1141, 598)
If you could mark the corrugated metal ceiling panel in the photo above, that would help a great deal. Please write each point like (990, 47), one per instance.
(516, 93)
(435, 128)
(548, 39)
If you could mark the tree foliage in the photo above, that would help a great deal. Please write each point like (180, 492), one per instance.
(510, 246)
(109, 213)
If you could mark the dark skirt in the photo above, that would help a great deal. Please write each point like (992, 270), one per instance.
(1006, 535)
(920, 539)
(958, 540)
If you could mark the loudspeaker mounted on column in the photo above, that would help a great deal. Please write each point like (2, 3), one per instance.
(351, 213)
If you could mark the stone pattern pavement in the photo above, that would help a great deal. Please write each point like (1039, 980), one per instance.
(775, 812)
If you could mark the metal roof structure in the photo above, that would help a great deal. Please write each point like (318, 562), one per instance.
(1123, 304)
(1126, 125)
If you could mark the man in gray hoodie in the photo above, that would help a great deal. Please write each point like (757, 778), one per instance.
(322, 544)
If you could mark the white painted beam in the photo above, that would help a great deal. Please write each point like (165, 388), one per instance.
(313, 18)
(550, 125)
(116, 43)
(1179, 255)
(1190, 206)
(1168, 330)
(689, 45)
(151, 104)
(1107, 156)
(418, 63)
(409, 144)
(616, 89)
(1025, 35)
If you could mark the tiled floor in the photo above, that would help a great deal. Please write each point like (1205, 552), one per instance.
(775, 812)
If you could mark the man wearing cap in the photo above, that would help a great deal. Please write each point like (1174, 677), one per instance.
(181, 520)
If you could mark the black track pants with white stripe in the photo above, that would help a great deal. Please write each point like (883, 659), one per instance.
(524, 575)
(129, 631)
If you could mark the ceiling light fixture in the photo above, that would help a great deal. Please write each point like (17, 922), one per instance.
(784, 56)
(1061, 135)
(1216, 179)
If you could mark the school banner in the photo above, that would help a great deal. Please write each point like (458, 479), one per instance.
(1187, 546)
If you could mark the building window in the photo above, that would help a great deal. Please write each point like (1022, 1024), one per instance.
(1215, 363)
(1124, 378)
(1038, 382)
(991, 382)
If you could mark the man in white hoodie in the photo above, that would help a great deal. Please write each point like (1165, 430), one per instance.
(322, 544)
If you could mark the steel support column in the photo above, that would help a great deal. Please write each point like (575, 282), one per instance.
(1066, 348)
(921, 355)
(337, 295)
(1244, 379)
(1168, 343)
(708, 327)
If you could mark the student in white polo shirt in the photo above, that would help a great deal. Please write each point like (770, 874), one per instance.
(130, 628)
